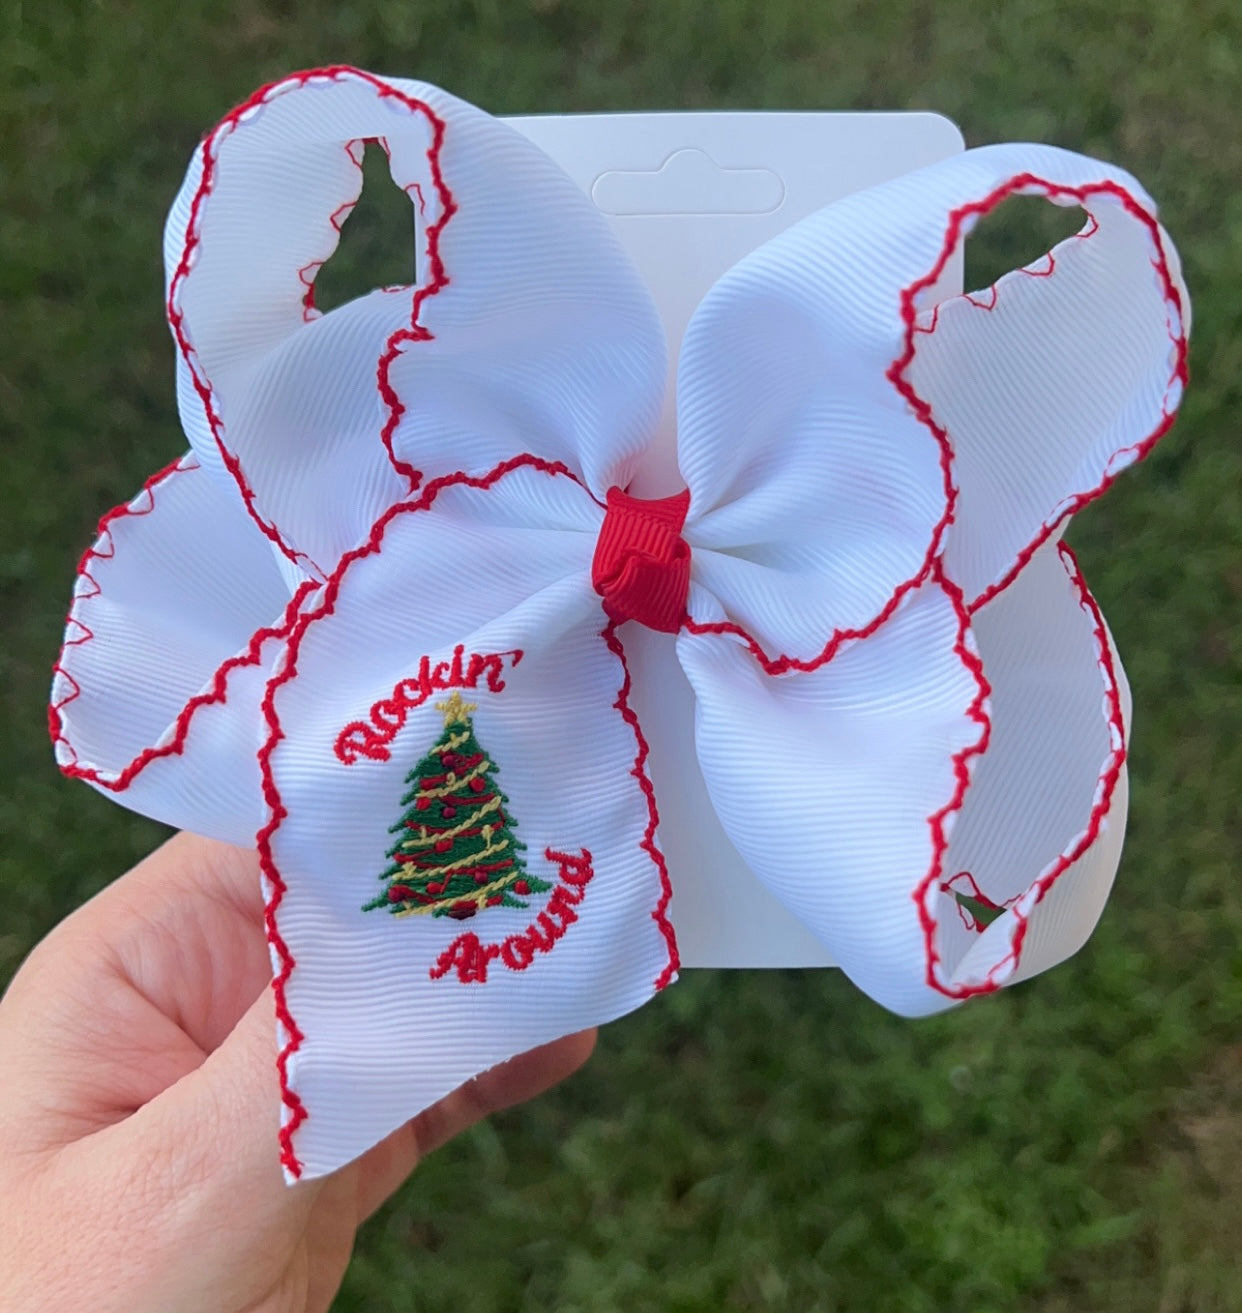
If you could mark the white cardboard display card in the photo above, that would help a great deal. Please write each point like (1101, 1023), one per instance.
(690, 194)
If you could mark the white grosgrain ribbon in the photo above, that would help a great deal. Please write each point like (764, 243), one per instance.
(375, 620)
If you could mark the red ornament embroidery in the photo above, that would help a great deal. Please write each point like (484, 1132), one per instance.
(455, 864)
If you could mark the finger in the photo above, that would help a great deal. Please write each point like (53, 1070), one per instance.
(117, 922)
(191, 909)
(511, 1082)
(356, 1191)
(187, 925)
(193, 1178)
(216, 1130)
(127, 995)
(90, 1027)
(219, 1124)
(385, 1167)
(185, 865)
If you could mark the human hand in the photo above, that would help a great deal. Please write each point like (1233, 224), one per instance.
(138, 1161)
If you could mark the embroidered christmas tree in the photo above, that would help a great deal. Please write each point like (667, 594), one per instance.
(455, 852)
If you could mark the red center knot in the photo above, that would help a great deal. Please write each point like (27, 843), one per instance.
(642, 564)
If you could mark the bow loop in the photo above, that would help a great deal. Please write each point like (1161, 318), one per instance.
(522, 328)
(642, 563)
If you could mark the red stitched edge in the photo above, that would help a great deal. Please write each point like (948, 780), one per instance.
(296, 1109)
(438, 278)
(436, 282)
(896, 374)
(938, 821)
(217, 692)
(97, 552)
(783, 662)
(973, 891)
(1024, 905)
(639, 772)
(1027, 182)
(310, 270)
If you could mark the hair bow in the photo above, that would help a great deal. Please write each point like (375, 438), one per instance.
(376, 621)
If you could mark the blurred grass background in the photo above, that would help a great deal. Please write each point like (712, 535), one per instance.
(749, 1141)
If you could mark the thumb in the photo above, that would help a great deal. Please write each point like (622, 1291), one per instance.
(216, 1131)
(193, 1211)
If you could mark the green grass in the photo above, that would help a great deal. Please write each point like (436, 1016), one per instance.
(748, 1141)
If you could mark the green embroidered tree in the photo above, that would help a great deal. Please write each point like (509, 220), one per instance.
(455, 852)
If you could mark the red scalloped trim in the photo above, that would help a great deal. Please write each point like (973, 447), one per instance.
(437, 280)
(310, 270)
(1026, 183)
(973, 891)
(896, 374)
(97, 552)
(307, 274)
(783, 662)
(295, 1108)
(639, 772)
(962, 759)
(216, 692)
(1022, 907)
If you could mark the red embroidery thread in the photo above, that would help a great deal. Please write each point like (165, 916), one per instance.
(897, 375)
(639, 771)
(975, 908)
(310, 271)
(939, 820)
(388, 716)
(104, 549)
(436, 281)
(455, 852)
(470, 957)
(897, 372)
(1020, 908)
(325, 604)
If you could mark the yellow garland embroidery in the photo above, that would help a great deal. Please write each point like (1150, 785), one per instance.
(462, 866)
